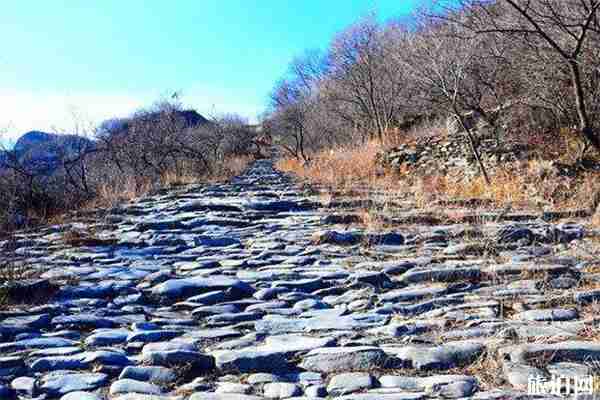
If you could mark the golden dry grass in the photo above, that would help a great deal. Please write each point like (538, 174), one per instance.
(341, 168)
(132, 188)
(527, 185)
(109, 195)
(129, 188)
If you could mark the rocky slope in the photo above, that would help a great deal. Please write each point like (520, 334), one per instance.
(428, 155)
(252, 290)
(41, 152)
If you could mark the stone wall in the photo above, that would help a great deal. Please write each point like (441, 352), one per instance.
(442, 153)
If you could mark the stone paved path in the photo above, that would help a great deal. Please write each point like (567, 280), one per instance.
(250, 290)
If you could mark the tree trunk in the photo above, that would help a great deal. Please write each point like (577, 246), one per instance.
(584, 121)
(474, 149)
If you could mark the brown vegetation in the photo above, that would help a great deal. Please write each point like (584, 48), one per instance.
(158, 147)
(531, 185)
(524, 71)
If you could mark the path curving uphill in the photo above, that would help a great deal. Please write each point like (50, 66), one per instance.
(251, 290)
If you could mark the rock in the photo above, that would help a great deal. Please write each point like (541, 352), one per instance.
(152, 336)
(251, 361)
(24, 290)
(281, 390)
(269, 293)
(334, 359)
(169, 354)
(176, 289)
(229, 387)
(587, 297)
(240, 291)
(449, 355)
(83, 321)
(107, 337)
(223, 396)
(303, 285)
(315, 391)
(36, 343)
(338, 238)
(289, 325)
(24, 386)
(444, 274)
(232, 318)
(569, 369)
(81, 396)
(124, 386)
(6, 392)
(255, 379)
(271, 357)
(158, 375)
(310, 304)
(445, 386)
(377, 279)
(518, 375)
(385, 396)
(11, 366)
(349, 382)
(415, 292)
(355, 237)
(556, 314)
(59, 383)
(512, 234)
(25, 323)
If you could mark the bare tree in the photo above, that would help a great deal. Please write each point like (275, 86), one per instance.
(559, 30)
(363, 82)
(294, 104)
(452, 74)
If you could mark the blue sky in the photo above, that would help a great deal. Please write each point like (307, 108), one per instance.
(62, 61)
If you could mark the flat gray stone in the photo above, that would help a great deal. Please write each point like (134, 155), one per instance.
(176, 289)
(81, 396)
(58, 384)
(275, 325)
(159, 375)
(556, 314)
(334, 359)
(350, 382)
(124, 386)
(281, 390)
(449, 355)
(445, 386)
(273, 356)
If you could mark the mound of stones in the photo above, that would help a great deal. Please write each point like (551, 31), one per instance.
(441, 154)
(245, 290)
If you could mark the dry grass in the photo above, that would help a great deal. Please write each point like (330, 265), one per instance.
(130, 188)
(342, 168)
(232, 166)
(487, 368)
(113, 194)
(530, 185)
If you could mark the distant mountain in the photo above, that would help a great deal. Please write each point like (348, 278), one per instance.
(184, 118)
(42, 152)
(192, 118)
(33, 139)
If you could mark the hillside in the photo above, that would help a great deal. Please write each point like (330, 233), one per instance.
(259, 288)
(409, 210)
(43, 152)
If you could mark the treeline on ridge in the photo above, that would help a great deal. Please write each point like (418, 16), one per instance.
(528, 68)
